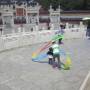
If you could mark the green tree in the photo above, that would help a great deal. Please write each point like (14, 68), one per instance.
(66, 4)
(45, 3)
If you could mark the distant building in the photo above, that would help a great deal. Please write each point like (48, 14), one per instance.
(74, 17)
(12, 13)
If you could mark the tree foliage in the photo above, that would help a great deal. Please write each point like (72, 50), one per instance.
(66, 4)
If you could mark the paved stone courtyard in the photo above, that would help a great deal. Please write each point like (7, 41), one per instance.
(19, 72)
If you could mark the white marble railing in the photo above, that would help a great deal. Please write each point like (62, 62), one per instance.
(27, 38)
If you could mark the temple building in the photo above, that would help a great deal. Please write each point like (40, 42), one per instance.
(29, 15)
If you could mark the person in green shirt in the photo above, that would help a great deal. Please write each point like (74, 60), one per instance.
(56, 54)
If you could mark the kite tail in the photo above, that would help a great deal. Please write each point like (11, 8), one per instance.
(68, 63)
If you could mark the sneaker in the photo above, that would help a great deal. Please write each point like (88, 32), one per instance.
(54, 66)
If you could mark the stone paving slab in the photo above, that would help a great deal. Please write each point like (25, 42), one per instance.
(87, 87)
(19, 72)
